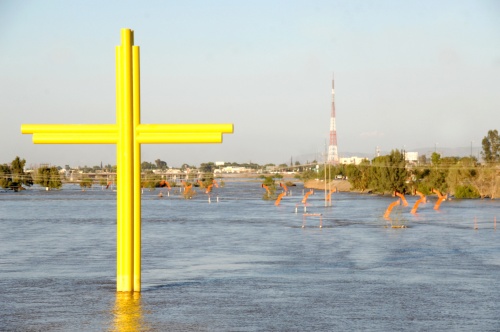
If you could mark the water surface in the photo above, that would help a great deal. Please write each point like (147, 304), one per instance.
(243, 264)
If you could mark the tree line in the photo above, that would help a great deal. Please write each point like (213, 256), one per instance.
(463, 177)
(14, 177)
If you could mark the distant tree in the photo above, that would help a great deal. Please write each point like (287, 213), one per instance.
(359, 175)
(5, 176)
(161, 164)
(48, 177)
(207, 167)
(306, 174)
(448, 161)
(331, 171)
(491, 147)
(86, 169)
(151, 180)
(86, 183)
(435, 157)
(466, 191)
(487, 182)
(460, 177)
(389, 173)
(422, 159)
(147, 166)
(13, 176)
(270, 192)
(186, 166)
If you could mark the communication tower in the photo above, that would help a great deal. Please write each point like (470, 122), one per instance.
(333, 154)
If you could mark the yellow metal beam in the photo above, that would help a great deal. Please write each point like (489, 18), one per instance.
(69, 128)
(136, 90)
(179, 138)
(225, 128)
(70, 138)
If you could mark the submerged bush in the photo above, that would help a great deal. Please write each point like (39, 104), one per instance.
(466, 191)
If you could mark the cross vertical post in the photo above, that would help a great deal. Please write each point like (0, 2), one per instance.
(128, 134)
(125, 151)
(136, 88)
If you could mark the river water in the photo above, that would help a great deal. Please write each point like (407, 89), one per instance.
(244, 264)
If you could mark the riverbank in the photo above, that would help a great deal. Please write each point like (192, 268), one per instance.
(335, 185)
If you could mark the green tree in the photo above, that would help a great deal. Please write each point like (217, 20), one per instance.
(207, 167)
(466, 191)
(161, 164)
(147, 166)
(270, 183)
(359, 175)
(151, 180)
(389, 173)
(5, 176)
(460, 178)
(184, 167)
(487, 181)
(435, 158)
(86, 183)
(13, 176)
(48, 177)
(19, 177)
(491, 147)
(307, 174)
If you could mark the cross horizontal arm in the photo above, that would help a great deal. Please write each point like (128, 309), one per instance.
(108, 138)
(108, 134)
(112, 128)
(185, 128)
(179, 138)
(68, 128)
(71, 138)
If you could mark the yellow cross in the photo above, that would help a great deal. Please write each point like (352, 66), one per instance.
(128, 134)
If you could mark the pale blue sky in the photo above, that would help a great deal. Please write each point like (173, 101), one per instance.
(407, 74)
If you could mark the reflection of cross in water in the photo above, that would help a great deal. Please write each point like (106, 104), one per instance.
(128, 134)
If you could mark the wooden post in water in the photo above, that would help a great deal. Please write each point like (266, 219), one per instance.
(128, 134)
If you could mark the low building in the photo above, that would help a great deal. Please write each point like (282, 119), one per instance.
(232, 169)
(411, 157)
(351, 160)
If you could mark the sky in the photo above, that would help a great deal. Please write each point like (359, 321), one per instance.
(408, 75)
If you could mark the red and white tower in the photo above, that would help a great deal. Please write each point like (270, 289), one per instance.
(333, 154)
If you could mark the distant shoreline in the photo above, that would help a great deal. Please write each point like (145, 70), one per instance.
(335, 185)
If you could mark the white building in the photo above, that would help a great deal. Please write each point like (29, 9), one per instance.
(411, 157)
(351, 160)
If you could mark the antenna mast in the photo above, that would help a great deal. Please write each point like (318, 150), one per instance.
(333, 155)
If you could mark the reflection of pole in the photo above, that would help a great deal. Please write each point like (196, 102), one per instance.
(128, 315)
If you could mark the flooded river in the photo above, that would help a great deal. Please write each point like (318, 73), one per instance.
(243, 264)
